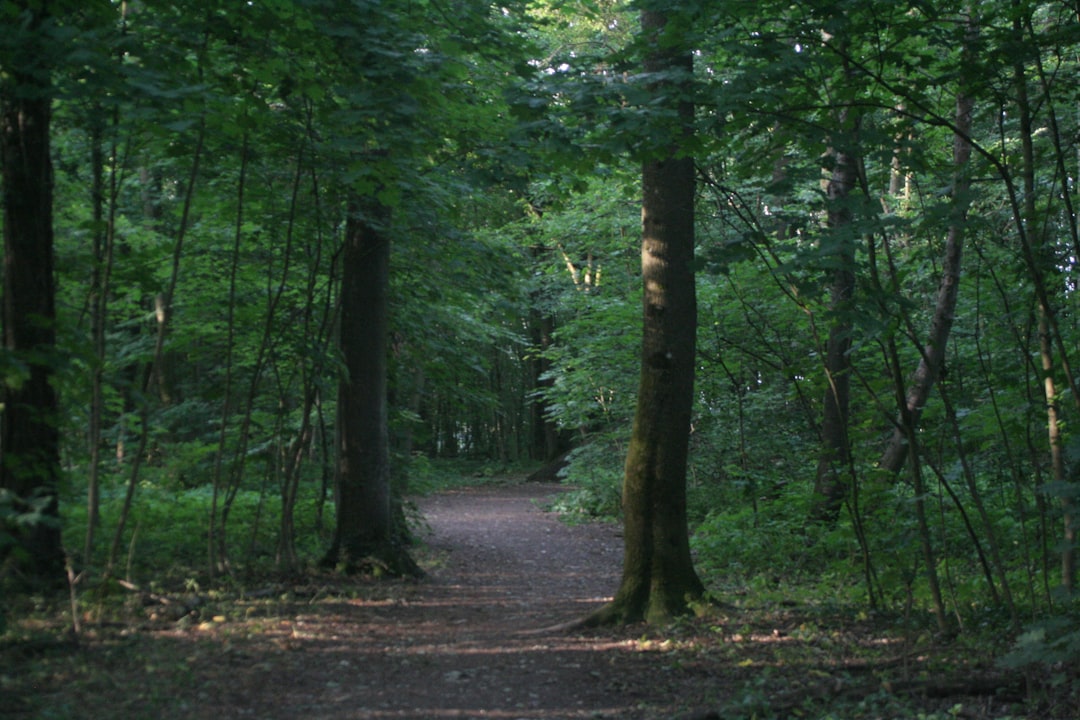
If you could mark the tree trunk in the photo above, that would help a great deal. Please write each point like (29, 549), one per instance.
(29, 439)
(364, 538)
(831, 485)
(98, 301)
(659, 580)
(548, 443)
(932, 362)
(1041, 265)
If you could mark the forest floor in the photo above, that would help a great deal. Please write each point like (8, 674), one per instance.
(475, 639)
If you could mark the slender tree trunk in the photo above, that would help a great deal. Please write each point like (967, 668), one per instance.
(365, 535)
(547, 442)
(658, 577)
(29, 439)
(262, 358)
(832, 481)
(318, 334)
(98, 307)
(226, 401)
(999, 565)
(164, 319)
(925, 541)
(1041, 264)
(932, 362)
(101, 289)
(104, 254)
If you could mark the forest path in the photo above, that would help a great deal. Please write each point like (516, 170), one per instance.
(461, 643)
(464, 643)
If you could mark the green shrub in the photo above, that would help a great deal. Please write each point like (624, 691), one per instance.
(594, 473)
(1051, 642)
(166, 533)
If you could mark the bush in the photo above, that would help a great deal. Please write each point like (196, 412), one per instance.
(595, 472)
(1052, 642)
(771, 546)
(167, 531)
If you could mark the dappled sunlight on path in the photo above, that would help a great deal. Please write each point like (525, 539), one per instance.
(464, 642)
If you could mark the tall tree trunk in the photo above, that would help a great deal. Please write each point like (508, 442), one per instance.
(832, 482)
(216, 561)
(365, 536)
(658, 573)
(547, 442)
(98, 311)
(1041, 265)
(164, 320)
(29, 439)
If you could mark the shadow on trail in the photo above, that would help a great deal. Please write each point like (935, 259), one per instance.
(457, 644)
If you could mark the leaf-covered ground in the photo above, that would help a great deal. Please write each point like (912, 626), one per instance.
(475, 640)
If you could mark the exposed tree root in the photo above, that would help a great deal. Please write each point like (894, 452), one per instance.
(385, 560)
(617, 613)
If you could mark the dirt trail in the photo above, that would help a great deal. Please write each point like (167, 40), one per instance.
(462, 644)
(458, 645)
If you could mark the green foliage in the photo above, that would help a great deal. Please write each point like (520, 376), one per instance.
(595, 473)
(18, 515)
(228, 141)
(232, 136)
(167, 539)
(21, 512)
(1051, 643)
(768, 550)
(1048, 651)
(428, 476)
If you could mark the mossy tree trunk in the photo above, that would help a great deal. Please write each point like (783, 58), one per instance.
(659, 580)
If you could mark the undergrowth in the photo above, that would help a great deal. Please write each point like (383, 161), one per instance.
(754, 546)
(166, 534)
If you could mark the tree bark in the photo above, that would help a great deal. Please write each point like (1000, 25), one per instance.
(831, 484)
(29, 439)
(659, 580)
(365, 538)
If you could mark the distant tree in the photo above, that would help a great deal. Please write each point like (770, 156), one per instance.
(29, 439)
(374, 120)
